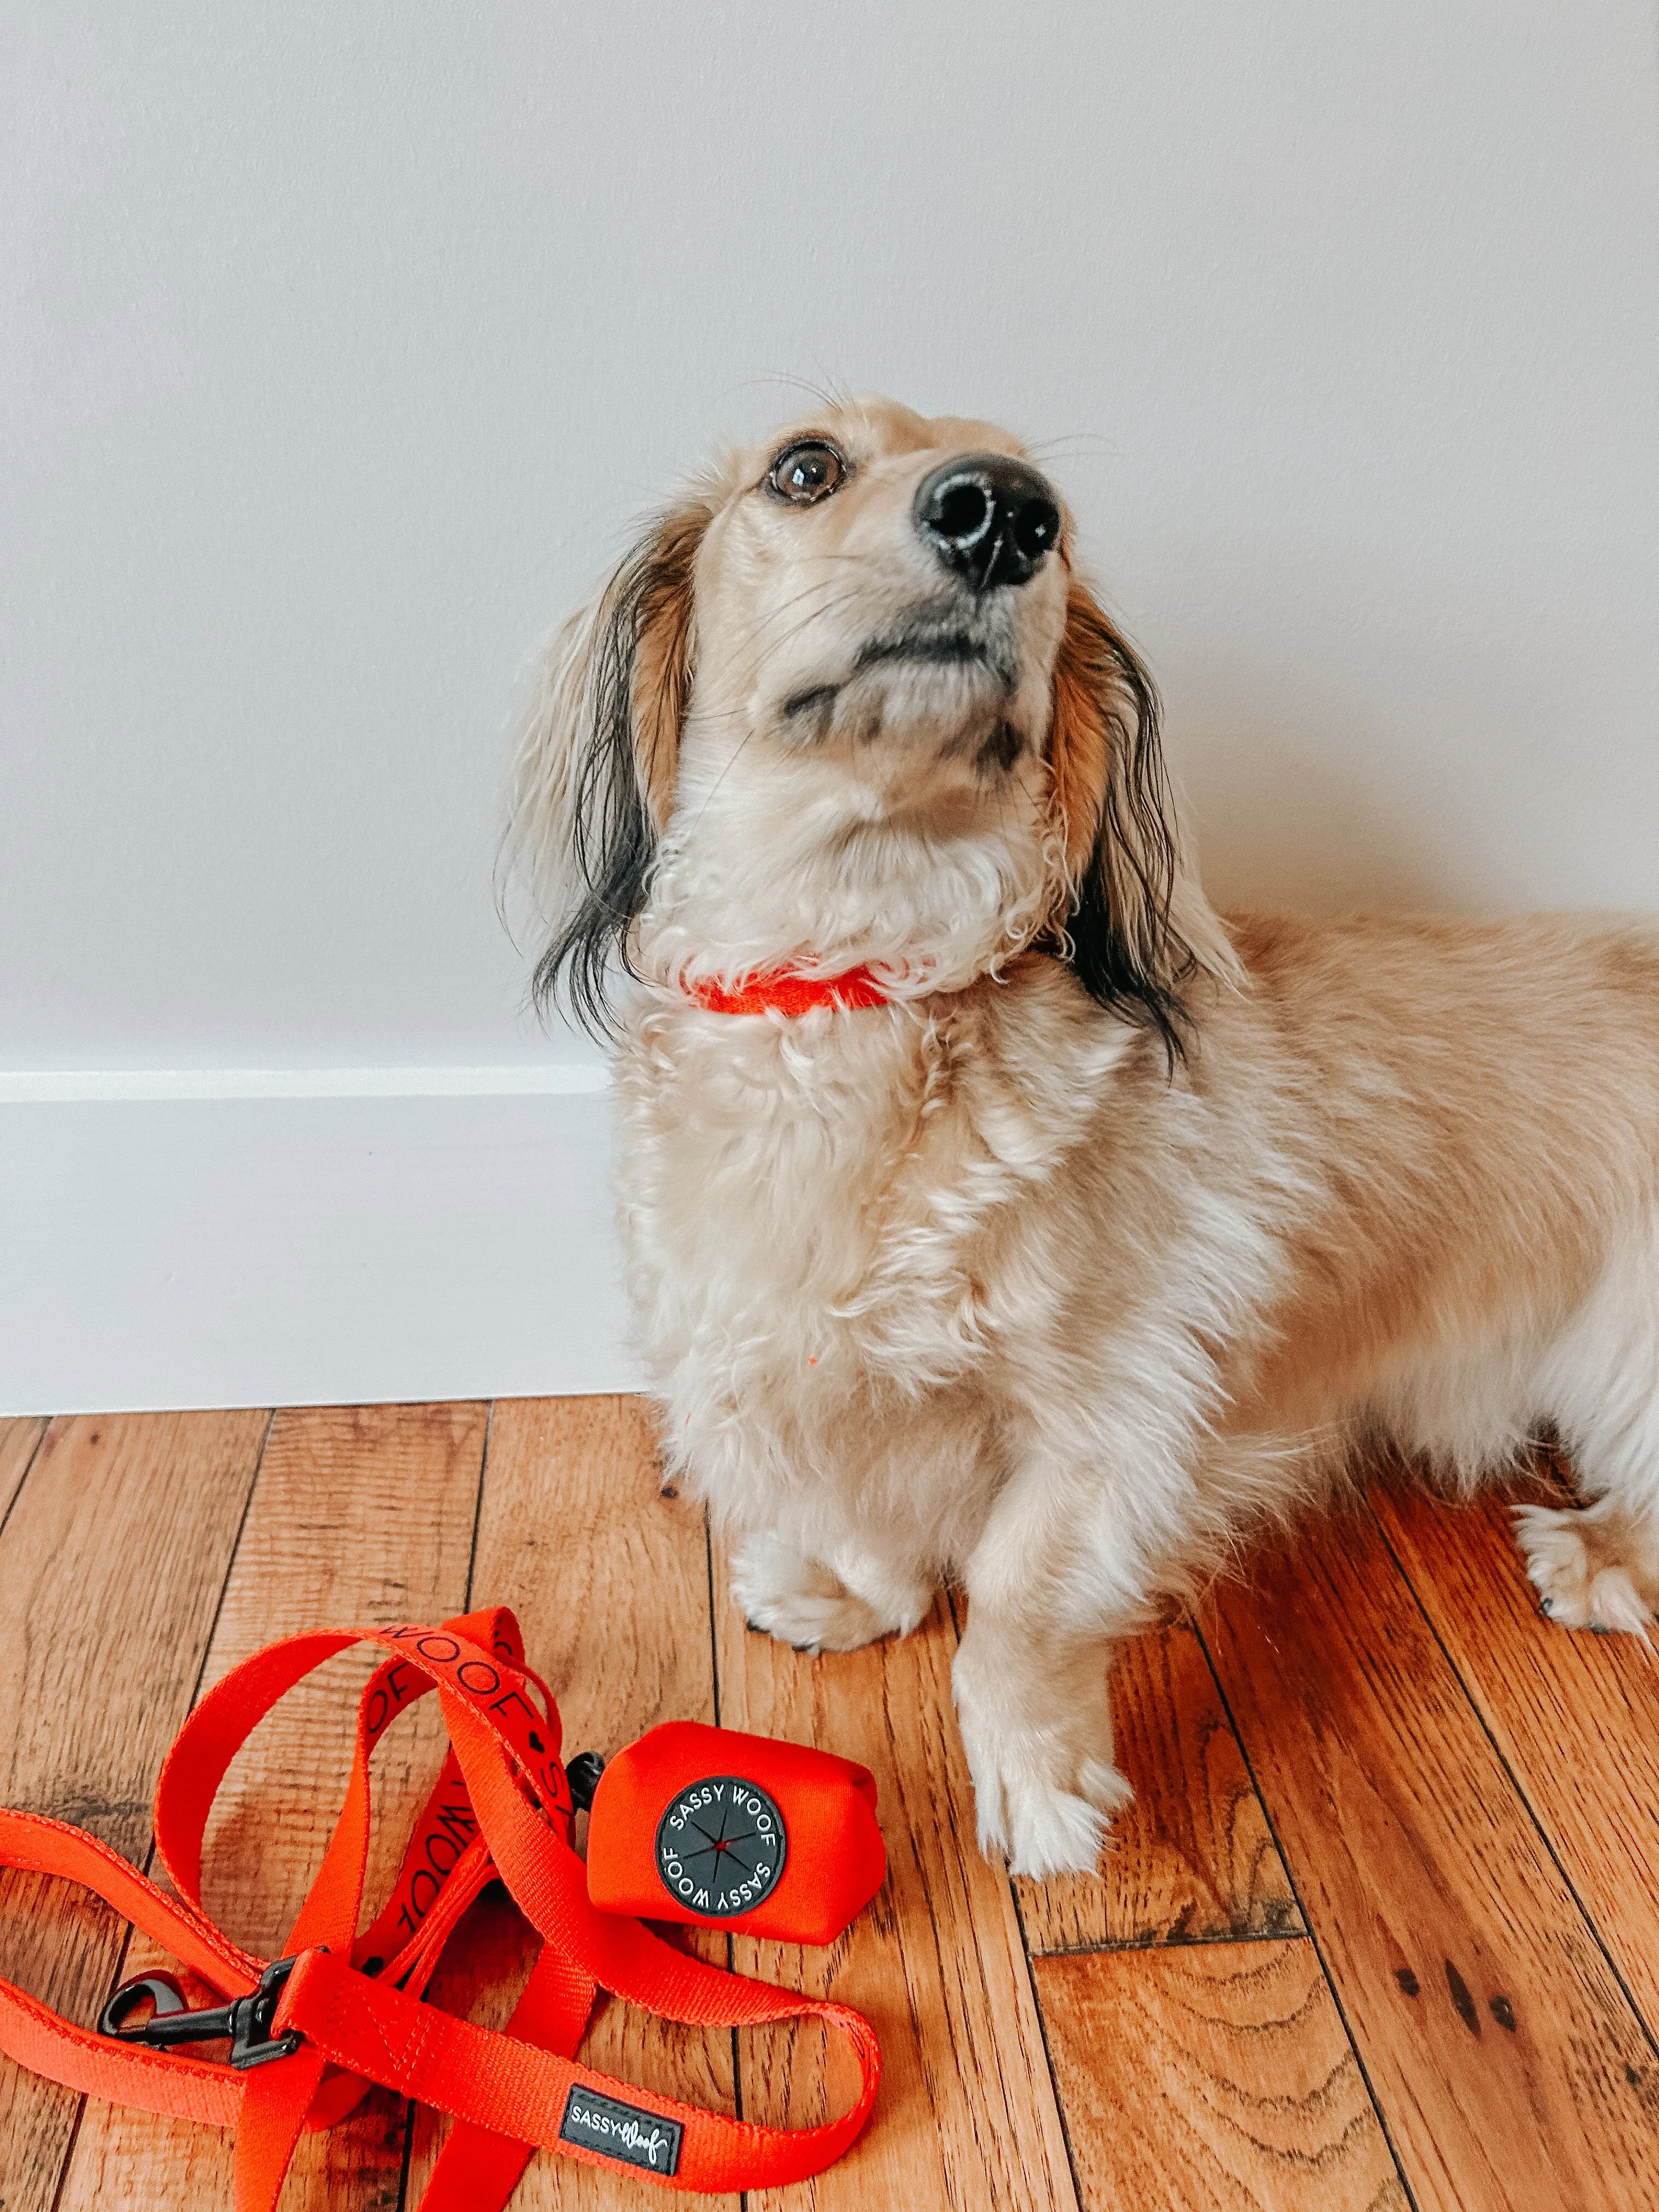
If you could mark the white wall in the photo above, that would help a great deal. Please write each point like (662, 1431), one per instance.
(339, 343)
(205, 1251)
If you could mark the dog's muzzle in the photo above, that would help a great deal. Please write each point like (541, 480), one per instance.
(990, 520)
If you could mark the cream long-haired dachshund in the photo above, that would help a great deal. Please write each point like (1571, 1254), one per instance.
(995, 1211)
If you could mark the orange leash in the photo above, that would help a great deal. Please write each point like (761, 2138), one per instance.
(309, 2031)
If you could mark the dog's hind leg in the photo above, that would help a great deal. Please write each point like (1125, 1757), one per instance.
(1598, 1566)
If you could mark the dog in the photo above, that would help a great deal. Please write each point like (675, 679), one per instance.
(995, 1211)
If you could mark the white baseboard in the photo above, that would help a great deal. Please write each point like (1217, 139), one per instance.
(355, 1236)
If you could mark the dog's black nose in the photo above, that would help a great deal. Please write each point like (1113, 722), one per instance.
(990, 520)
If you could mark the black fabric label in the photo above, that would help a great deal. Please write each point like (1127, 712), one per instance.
(622, 2131)
(720, 1847)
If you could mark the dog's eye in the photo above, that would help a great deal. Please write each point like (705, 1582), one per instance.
(808, 471)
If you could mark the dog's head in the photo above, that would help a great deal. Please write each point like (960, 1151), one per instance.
(849, 701)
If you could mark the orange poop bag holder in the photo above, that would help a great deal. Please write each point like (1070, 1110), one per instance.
(690, 1823)
(702, 1823)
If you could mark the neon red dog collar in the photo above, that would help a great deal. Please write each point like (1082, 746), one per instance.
(785, 992)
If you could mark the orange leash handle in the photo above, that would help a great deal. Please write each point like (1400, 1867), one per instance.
(349, 2010)
(512, 2090)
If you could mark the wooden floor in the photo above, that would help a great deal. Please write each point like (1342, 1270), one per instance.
(1383, 1929)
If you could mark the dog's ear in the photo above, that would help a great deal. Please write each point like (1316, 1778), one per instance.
(593, 778)
(1135, 926)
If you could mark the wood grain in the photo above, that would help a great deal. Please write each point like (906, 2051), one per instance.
(610, 1581)
(1509, 2066)
(1197, 2071)
(361, 1515)
(1576, 1716)
(967, 2116)
(1212, 2079)
(1193, 1859)
(111, 1566)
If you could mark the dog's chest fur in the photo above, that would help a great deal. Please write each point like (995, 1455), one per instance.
(817, 1211)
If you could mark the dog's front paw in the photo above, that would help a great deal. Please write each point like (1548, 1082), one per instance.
(800, 1602)
(1589, 1572)
(1043, 1798)
(1042, 1829)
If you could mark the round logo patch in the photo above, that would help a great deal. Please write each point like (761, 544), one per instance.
(720, 1846)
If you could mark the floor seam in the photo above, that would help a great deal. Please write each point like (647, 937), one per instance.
(1031, 1957)
(1307, 1922)
(409, 2150)
(477, 1517)
(68, 2154)
(715, 1684)
(466, 1606)
(28, 1469)
(1047, 2052)
(1137, 1949)
(230, 1563)
(1515, 1783)
(196, 1691)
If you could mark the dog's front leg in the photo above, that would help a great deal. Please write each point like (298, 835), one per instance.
(858, 1551)
(1052, 1587)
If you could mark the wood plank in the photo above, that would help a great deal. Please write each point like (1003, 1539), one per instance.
(1213, 2080)
(1508, 2065)
(361, 1515)
(967, 2116)
(20, 1439)
(1576, 1716)
(1193, 1859)
(610, 1581)
(111, 1566)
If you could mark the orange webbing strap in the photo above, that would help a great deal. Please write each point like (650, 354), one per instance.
(501, 1807)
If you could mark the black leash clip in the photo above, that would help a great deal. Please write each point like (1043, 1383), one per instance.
(246, 2021)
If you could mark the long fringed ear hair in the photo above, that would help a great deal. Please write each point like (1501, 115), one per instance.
(593, 775)
(1139, 929)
